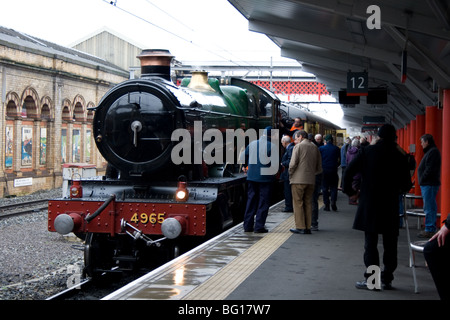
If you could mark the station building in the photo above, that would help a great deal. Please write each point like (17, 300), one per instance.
(45, 121)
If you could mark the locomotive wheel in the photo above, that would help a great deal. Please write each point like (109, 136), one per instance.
(239, 203)
(175, 251)
(171, 250)
(214, 221)
(98, 254)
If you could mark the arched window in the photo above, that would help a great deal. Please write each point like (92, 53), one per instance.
(45, 112)
(46, 108)
(29, 109)
(78, 113)
(11, 109)
(66, 114)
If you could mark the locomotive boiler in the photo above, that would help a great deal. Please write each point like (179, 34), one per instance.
(157, 199)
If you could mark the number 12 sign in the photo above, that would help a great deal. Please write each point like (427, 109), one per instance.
(357, 84)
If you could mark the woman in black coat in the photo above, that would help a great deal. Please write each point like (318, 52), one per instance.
(385, 175)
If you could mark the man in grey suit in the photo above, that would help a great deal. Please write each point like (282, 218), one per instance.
(305, 163)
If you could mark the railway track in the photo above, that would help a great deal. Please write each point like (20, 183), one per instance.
(89, 289)
(72, 291)
(27, 207)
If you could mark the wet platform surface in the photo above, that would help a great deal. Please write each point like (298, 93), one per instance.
(281, 265)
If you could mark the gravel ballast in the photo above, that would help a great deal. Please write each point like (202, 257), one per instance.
(36, 263)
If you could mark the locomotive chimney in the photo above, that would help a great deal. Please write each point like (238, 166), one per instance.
(155, 62)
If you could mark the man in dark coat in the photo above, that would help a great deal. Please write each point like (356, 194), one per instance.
(437, 255)
(330, 163)
(259, 182)
(284, 176)
(429, 175)
(385, 175)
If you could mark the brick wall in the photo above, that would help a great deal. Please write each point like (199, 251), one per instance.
(43, 96)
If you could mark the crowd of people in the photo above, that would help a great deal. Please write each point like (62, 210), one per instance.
(309, 167)
(326, 178)
(310, 164)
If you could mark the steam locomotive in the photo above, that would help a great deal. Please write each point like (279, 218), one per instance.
(155, 200)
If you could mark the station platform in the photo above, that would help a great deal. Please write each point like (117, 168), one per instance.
(280, 265)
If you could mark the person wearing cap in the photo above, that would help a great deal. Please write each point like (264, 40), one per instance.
(384, 176)
(259, 184)
(330, 179)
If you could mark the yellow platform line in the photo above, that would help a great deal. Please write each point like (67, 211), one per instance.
(221, 284)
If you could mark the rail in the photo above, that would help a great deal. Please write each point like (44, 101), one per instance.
(27, 207)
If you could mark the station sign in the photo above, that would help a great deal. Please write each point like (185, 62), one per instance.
(23, 182)
(347, 99)
(357, 84)
(374, 120)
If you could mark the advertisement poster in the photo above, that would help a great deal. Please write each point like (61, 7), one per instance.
(76, 145)
(63, 145)
(9, 147)
(27, 146)
(87, 146)
(43, 147)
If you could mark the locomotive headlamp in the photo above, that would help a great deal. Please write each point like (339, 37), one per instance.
(182, 193)
(76, 191)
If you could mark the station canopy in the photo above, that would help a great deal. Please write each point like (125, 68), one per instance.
(395, 49)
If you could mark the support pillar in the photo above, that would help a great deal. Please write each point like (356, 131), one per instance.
(433, 126)
(400, 139)
(412, 147)
(420, 131)
(445, 168)
(412, 136)
(408, 129)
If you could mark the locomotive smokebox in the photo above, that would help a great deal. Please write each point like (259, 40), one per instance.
(134, 121)
(156, 63)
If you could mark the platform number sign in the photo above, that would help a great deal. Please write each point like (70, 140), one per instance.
(357, 84)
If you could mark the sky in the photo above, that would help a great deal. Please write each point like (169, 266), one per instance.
(209, 30)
